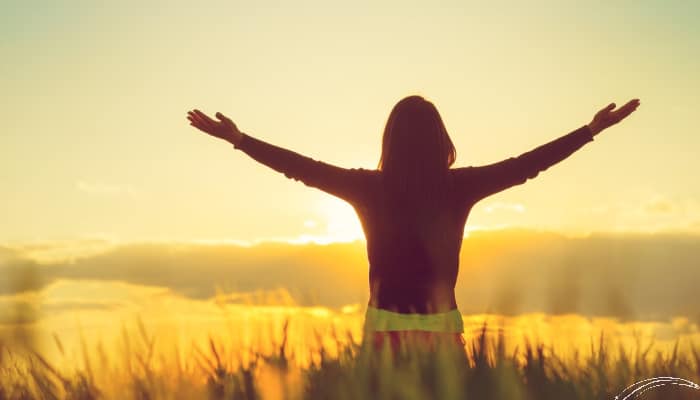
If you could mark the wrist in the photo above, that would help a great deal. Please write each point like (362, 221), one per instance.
(594, 128)
(235, 138)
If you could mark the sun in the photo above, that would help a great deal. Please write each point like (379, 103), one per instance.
(340, 220)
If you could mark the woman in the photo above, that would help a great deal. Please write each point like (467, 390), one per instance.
(413, 209)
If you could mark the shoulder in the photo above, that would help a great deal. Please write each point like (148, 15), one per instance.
(461, 173)
(366, 171)
(367, 175)
(366, 178)
(365, 183)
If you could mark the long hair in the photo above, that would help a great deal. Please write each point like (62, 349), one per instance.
(417, 151)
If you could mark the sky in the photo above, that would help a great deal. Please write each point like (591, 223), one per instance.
(113, 207)
(96, 145)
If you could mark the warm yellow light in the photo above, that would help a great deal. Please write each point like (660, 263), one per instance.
(342, 223)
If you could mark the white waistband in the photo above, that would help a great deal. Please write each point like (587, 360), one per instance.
(379, 320)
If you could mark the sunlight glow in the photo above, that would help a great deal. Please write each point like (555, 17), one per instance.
(342, 223)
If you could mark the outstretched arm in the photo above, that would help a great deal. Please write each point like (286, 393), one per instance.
(489, 179)
(344, 183)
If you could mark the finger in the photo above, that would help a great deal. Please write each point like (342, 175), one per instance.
(631, 103)
(207, 122)
(628, 108)
(205, 117)
(202, 125)
(199, 117)
(605, 111)
(192, 116)
(195, 119)
(624, 113)
(198, 126)
(222, 117)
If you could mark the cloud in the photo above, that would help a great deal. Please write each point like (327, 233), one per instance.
(51, 251)
(311, 273)
(655, 213)
(660, 206)
(626, 276)
(8, 254)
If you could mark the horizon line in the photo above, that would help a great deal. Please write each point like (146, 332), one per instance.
(306, 239)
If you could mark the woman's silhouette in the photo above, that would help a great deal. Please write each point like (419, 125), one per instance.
(413, 208)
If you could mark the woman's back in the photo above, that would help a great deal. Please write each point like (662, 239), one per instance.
(412, 247)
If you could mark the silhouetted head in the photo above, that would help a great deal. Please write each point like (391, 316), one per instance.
(416, 146)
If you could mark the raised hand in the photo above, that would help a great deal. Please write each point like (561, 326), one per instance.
(607, 117)
(223, 129)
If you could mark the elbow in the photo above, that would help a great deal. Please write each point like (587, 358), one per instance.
(531, 175)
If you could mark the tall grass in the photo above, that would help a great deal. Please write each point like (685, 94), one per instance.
(346, 370)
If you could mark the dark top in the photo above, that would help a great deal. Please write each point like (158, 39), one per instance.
(413, 262)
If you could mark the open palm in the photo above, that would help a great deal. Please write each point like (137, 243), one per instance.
(223, 129)
(607, 117)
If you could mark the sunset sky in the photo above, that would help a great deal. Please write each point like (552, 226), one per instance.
(96, 144)
(114, 208)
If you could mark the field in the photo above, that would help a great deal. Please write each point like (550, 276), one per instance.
(317, 354)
